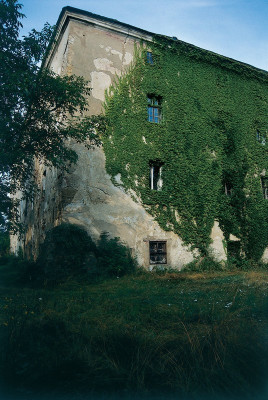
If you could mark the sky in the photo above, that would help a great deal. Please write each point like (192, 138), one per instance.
(234, 28)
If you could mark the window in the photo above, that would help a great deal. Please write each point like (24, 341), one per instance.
(158, 252)
(154, 108)
(260, 138)
(228, 187)
(234, 249)
(149, 58)
(264, 184)
(156, 181)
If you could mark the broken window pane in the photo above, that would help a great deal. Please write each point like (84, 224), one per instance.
(158, 252)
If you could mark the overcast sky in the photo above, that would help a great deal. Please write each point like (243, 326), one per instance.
(234, 28)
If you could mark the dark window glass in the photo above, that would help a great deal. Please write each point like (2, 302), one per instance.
(261, 138)
(154, 108)
(228, 188)
(156, 182)
(234, 248)
(149, 57)
(264, 184)
(158, 252)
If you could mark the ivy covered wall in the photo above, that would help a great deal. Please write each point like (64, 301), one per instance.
(206, 143)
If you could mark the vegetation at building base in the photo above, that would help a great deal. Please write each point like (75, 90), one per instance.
(69, 252)
(212, 161)
(187, 333)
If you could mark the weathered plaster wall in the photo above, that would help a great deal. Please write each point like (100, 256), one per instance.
(43, 213)
(98, 55)
(86, 195)
(98, 205)
(89, 197)
(60, 58)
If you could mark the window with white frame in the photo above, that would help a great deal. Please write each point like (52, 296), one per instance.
(156, 169)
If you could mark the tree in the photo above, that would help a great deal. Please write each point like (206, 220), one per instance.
(39, 110)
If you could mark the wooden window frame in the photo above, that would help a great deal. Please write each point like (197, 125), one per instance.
(157, 248)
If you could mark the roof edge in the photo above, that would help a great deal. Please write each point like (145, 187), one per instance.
(147, 35)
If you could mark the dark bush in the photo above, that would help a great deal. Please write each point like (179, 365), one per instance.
(114, 258)
(68, 251)
(65, 253)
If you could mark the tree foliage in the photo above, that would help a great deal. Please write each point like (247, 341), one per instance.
(39, 109)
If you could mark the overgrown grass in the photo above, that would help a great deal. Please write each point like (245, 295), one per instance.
(187, 333)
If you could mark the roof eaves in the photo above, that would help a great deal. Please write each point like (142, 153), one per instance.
(146, 35)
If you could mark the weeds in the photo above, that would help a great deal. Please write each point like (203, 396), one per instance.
(182, 332)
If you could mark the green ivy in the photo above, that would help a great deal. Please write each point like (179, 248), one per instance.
(211, 107)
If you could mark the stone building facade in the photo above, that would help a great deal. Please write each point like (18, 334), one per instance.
(99, 49)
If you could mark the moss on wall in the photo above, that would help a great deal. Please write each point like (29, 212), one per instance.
(211, 110)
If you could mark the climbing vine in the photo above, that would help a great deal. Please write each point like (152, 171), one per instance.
(206, 141)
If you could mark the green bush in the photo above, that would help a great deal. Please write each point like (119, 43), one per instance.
(204, 264)
(65, 253)
(68, 251)
(114, 258)
(15, 270)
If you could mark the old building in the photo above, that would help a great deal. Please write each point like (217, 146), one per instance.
(169, 189)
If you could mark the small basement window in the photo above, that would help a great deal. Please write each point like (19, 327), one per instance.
(154, 108)
(149, 56)
(158, 252)
(156, 168)
(264, 184)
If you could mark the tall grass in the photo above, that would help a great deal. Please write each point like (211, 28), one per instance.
(185, 333)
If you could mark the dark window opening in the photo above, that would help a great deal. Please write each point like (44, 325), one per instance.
(158, 252)
(149, 56)
(234, 249)
(154, 108)
(264, 184)
(156, 168)
(260, 138)
(228, 188)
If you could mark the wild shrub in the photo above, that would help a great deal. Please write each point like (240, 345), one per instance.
(65, 253)
(114, 258)
(204, 264)
(68, 251)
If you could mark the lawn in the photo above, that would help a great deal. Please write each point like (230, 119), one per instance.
(176, 333)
